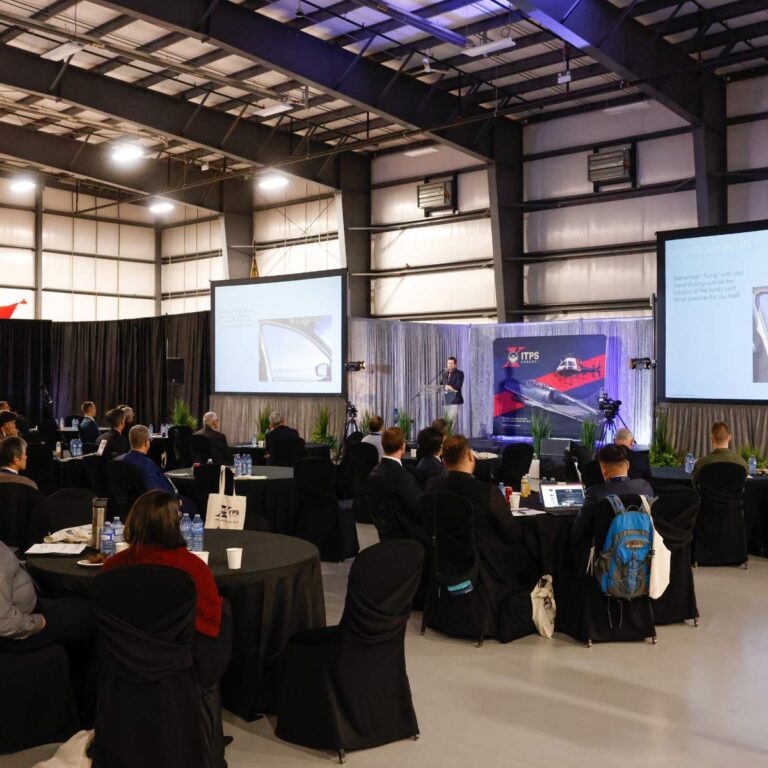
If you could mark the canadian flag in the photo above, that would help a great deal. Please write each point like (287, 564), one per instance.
(6, 312)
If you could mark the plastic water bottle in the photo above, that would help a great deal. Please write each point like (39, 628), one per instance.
(186, 529)
(75, 423)
(61, 423)
(752, 466)
(151, 430)
(501, 489)
(690, 460)
(118, 529)
(107, 540)
(254, 440)
(248, 464)
(197, 533)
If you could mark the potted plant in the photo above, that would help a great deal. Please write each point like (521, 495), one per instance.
(321, 433)
(541, 429)
(365, 422)
(588, 436)
(663, 453)
(405, 422)
(264, 421)
(181, 416)
(748, 450)
(450, 424)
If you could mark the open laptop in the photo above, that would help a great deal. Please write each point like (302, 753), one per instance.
(562, 498)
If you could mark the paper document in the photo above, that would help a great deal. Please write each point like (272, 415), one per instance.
(526, 512)
(55, 549)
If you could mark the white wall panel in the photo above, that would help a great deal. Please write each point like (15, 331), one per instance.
(17, 228)
(191, 238)
(57, 306)
(17, 267)
(397, 166)
(667, 159)
(455, 241)
(186, 304)
(557, 177)
(57, 271)
(15, 198)
(16, 296)
(746, 97)
(584, 280)
(85, 235)
(57, 232)
(392, 205)
(620, 221)
(748, 202)
(441, 292)
(56, 199)
(135, 308)
(136, 279)
(748, 145)
(295, 221)
(83, 308)
(473, 191)
(137, 243)
(308, 257)
(596, 127)
(173, 241)
(106, 275)
(108, 239)
(107, 308)
(294, 190)
(172, 278)
(85, 275)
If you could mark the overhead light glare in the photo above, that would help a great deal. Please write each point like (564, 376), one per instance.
(161, 206)
(126, 153)
(63, 51)
(618, 109)
(277, 109)
(421, 151)
(22, 185)
(273, 181)
(495, 46)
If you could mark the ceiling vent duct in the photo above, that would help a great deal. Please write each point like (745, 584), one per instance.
(613, 165)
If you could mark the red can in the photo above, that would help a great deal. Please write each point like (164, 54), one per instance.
(507, 493)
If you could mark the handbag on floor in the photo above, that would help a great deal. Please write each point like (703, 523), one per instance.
(73, 753)
(227, 512)
(544, 608)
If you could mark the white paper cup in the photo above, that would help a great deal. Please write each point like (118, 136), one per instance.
(514, 500)
(413, 452)
(260, 443)
(121, 545)
(202, 555)
(234, 557)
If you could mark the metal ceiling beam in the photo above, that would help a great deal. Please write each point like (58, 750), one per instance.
(42, 15)
(343, 74)
(625, 47)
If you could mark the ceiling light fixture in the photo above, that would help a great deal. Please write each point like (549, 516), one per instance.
(205, 166)
(161, 206)
(23, 184)
(126, 153)
(421, 151)
(274, 110)
(63, 51)
(495, 46)
(273, 181)
(631, 107)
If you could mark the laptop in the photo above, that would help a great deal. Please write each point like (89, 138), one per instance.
(562, 498)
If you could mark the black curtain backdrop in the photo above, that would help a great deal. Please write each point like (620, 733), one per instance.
(25, 353)
(189, 337)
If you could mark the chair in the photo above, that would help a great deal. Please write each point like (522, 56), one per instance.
(157, 451)
(200, 447)
(674, 516)
(720, 537)
(22, 515)
(69, 419)
(206, 481)
(49, 433)
(363, 457)
(591, 474)
(286, 452)
(515, 462)
(320, 519)
(148, 683)
(41, 706)
(68, 508)
(346, 687)
(41, 467)
(97, 472)
(345, 474)
(125, 486)
(180, 454)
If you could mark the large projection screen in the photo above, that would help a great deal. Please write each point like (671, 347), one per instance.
(712, 330)
(280, 335)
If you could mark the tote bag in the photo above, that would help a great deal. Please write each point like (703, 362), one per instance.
(658, 580)
(544, 609)
(227, 512)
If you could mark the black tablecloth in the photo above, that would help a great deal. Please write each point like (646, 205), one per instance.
(274, 498)
(755, 503)
(277, 593)
(311, 451)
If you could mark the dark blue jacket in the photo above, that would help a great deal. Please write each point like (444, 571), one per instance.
(151, 475)
(89, 430)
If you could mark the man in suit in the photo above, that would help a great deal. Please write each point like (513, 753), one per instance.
(394, 493)
(720, 437)
(13, 461)
(375, 425)
(8, 424)
(277, 432)
(639, 466)
(217, 440)
(89, 429)
(453, 381)
(114, 442)
(151, 475)
(430, 442)
(590, 526)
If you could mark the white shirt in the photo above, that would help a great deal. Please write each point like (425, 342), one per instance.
(374, 438)
(11, 469)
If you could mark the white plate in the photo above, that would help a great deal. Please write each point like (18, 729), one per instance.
(86, 564)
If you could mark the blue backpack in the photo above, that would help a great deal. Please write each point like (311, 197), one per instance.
(623, 568)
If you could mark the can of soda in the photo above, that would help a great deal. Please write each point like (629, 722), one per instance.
(508, 494)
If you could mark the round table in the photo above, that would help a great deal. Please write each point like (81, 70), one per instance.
(274, 498)
(484, 468)
(258, 455)
(277, 593)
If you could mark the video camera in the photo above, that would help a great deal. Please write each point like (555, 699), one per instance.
(351, 410)
(609, 407)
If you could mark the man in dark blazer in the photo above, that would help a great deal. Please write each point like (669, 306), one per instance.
(430, 442)
(278, 431)
(453, 381)
(394, 493)
(152, 476)
(221, 453)
(113, 443)
(594, 519)
(89, 429)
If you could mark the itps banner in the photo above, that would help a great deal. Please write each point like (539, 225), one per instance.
(562, 376)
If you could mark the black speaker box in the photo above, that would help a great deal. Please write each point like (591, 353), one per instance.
(174, 370)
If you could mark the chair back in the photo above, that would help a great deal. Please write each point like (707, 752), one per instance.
(674, 515)
(382, 583)
(364, 457)
(181, 451)
(68, 508)
(22, 515)
(200, 447)
(41, 467)
(382, 508)
(591, 474)
(125, 486)
(96, 471)
(206, 480)
(49, 433)
(721, 487)
(286, 452)
(515, 462)
(315, 481)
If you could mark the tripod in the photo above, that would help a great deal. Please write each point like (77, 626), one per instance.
(609, 429)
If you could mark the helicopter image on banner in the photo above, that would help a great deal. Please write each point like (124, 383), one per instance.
(571, 367)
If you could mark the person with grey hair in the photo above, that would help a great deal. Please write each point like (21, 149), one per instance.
(220, 451)
(152, 476)
(278, 431)
(639, 465)
(13, 461)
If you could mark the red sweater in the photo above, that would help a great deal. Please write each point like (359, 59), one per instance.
(208, 620)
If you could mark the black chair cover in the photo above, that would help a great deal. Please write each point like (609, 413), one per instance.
(345, 474)
(180, 454)
(319, 518)
(346, 687)
(125, 486)
(49, 433)
(720, 537)
(41, 467)
(22, 515)
(363, 457)
(96, 471)
(69, 507)
(39, 704)
(591, 474)
(515, 462)
(200, 447)
(674, 515)
(287, 452)
(150, 705)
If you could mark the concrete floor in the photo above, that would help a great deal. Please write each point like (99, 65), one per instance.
(698, 698)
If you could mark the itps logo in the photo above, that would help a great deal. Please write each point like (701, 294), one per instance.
(517, 356)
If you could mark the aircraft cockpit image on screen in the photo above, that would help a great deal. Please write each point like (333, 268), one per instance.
(760, 335)
(295, 349)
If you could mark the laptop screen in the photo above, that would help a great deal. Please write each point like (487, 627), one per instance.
(565, 495)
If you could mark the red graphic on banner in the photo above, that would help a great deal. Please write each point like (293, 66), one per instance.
(513, 357)
(6, 312)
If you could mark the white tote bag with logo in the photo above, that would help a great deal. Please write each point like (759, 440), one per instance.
(544, 608)
(227, 512)
(661, 560)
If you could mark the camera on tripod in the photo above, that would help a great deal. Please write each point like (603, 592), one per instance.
(351, 410)
(609, 407)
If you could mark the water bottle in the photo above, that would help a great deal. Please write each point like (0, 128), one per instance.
(74, 447)
(254, 440)
(690, 460)
(248, 464)
(118, 529)
(197, 533)
(59, 452)
(151, 430)
(107, 540)
(752, 466)
(395, 416)
(186, 529)
(501, 489)
(75, 423)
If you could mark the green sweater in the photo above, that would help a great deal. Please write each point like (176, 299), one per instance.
(718, 454)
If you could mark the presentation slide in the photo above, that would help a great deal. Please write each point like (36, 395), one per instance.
(280, 336)
(715, 313)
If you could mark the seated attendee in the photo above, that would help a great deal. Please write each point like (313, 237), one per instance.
(401, 489)
(614, 466)
(220, 450)
(430, 443)
(151, 475)
(114, 443)
(639, 466)
(375, 425)
(720, 438)
(13, 461)
(130, 419)
(278, 430)
(4, 406)
(8, 424)
(441, 425)
(89, 429)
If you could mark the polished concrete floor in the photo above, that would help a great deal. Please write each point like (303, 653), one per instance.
(698, 698)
